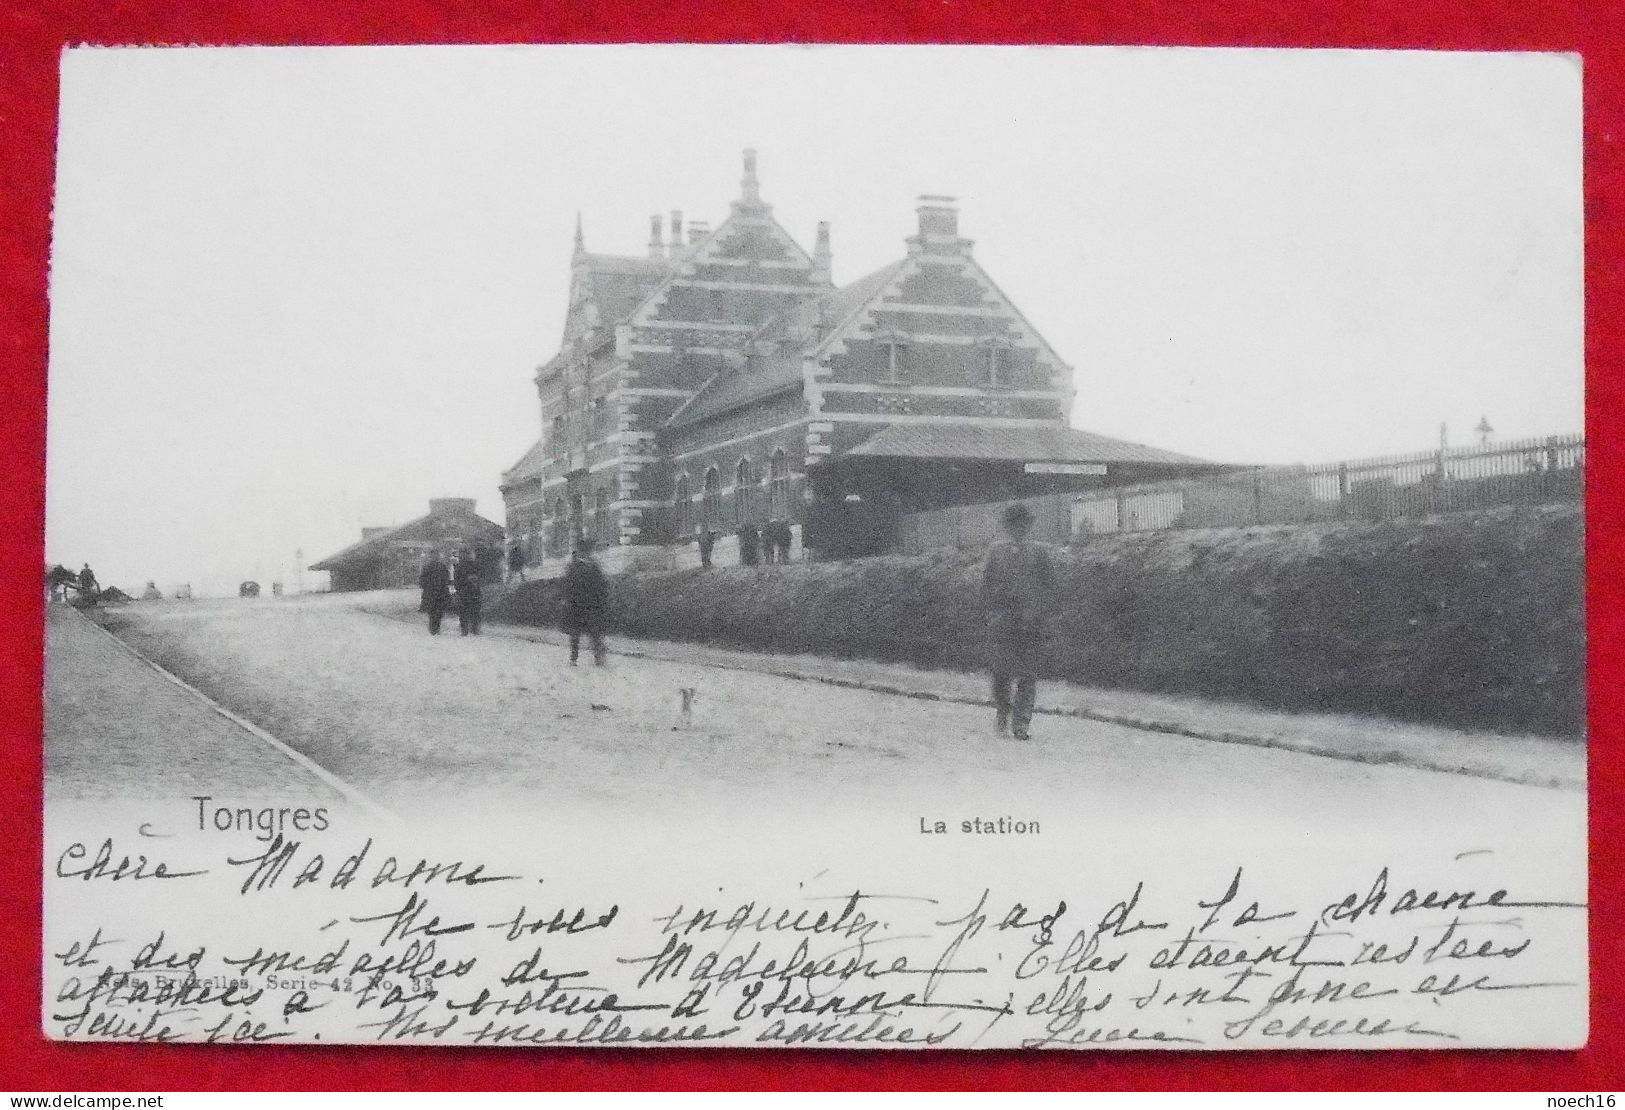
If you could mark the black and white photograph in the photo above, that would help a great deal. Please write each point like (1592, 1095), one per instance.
(821, 546)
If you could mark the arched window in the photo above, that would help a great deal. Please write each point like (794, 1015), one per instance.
(778, 486)
(680, 507)
(711, 501)
(603, 524)
(742, 491)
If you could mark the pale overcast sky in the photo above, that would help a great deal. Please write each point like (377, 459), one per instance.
(298, 291)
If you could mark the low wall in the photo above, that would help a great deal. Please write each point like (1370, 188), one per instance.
(1469, 619)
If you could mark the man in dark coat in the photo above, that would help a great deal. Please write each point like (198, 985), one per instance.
(516, 562)
(435, 581)
(708, 540)
(586, 596)
(1018, 589)
(465, 576)
(89, 589)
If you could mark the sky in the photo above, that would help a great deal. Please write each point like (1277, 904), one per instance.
(296, 291)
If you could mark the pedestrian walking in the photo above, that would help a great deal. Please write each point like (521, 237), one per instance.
(586, 597)
(435, 582)
(708, 540)
(750, 546)
(465, 578)
(782, 539)
(88, 586)
(516, 562)
(1018, 589)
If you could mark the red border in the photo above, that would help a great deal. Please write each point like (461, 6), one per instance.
(33, 36)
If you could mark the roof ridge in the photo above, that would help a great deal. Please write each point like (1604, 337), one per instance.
(881, 277)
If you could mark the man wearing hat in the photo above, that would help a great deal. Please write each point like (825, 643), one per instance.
(586, 596)
(435, 581)
(465, 577)
(1018, 588)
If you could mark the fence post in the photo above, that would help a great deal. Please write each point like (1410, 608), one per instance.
(1342, 489)
(1258, 496)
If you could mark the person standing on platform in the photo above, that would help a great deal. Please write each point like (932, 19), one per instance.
(586, 597)
(465, 577)
(435, 581)
(1018, 589)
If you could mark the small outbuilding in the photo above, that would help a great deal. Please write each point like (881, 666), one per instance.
(390, 558)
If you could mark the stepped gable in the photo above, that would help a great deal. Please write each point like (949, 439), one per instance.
(773, 361)
(939, 299)
(607, 288)
(699, 322)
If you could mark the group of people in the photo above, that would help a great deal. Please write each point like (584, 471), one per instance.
(59, 580)
(1018, 589)
(444, 583)
(769, 543)
(586, 597)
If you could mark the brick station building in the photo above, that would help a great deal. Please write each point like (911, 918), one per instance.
(724, 380)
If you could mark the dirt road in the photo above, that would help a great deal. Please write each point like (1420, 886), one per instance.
(414, 720)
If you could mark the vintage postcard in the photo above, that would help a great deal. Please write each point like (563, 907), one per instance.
(816, 546)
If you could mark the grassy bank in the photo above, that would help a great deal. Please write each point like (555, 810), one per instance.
(1472, 619)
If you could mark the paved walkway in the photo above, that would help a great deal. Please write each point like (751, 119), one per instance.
(117, 728)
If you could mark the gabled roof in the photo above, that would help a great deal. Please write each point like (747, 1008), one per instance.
(837, 308)
(697, 254)
(737, 386)
(731, 389)
(443, 526)
(1014, 443)
(620, 283)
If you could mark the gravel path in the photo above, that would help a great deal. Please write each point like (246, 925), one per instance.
(415, 720)
(1534, 760)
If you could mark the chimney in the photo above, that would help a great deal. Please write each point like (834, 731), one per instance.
(441, 506)
(581, 240)
(697, 230)
(750, 201)
(821, 255)
(676, 231)
(939, 227)
(657, 245)
(749, 190)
